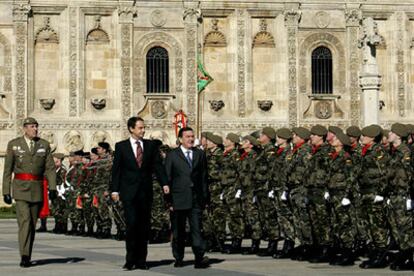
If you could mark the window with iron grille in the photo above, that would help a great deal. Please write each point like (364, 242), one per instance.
(321, 71)
(157, 70)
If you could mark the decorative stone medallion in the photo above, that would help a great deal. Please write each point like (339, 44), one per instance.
(158, 18)
(322, 19)
(158, 110)
(323, 109)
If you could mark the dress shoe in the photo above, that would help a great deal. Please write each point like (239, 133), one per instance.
(142, 266)
(129, 266)
(178, 263)
(202, 263)
(25, 262)
(41, 230)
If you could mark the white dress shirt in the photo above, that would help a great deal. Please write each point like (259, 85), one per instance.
(134, 145)
(184, 150)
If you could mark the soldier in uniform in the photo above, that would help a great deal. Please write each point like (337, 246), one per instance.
(296, 193)
(278, 186)
(214, 224)
(398, 194)
(230, 184)
(59, 205)
(29, 158)
(264, 193)
(372, 187)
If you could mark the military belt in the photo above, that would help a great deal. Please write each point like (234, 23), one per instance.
(28, 177)
(367, 190)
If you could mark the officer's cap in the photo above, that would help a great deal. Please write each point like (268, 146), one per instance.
(104, 145)
(284, 133)
(233, 137)
(30, 121)
(252, 140)
(343, 138)
(269, 132)
(319, 130)
(58, 155)
(334, 129)
(353, 131)
(371, 131)
(399, 129)
(302, 132)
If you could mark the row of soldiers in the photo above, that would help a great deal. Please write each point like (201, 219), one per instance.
(330, 195)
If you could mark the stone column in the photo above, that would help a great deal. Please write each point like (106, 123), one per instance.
(292, 18)
(191, 16)
(352, 18)
(370, 80)
(73, 61)
(241, 62)
(126, 15)
(21, 11)
(401, 73)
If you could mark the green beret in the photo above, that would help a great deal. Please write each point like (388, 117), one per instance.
(214, 138)
(269, 132)
(58, 155)
(410, 128)
(30, 121)
(371, 131)
(319, 130)
(399, 129)
(284, 133)
(252, 140)
(256, 134)
(334, 129)
(233, 137)
(343, 138)
(205, 133)
(302, 132)
(353, 131)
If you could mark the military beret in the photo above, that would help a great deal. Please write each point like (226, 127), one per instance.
(164, 148)
(343, 138)
(319, 130)
(399, 129)
(302, 132)
(58, 155)
(77, 153)
(334, 129)
(30, 121)
(104, 145)
(371, 131)
(214, 138)
(353, 131)
(233, 137)
(205, 133)
(284, 133)
(256, 134)
(252, 140)
(410, 128)
(269, 132)
(94, 150)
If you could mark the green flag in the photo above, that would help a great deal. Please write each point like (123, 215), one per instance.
(203, 78)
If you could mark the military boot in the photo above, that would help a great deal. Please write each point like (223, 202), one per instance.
(42, 227)
(235, 247)
(56, 229)
(304, 252)
(90, 232)
(404, 261)
(323, 255)
(378, 260)
(286, 251)
(270, 250)
(346, 258)
(73, 230)
(254, 248)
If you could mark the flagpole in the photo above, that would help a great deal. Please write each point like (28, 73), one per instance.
(200, 98)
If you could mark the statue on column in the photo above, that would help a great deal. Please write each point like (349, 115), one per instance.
(369, 41)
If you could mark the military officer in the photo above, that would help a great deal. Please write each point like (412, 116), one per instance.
(29, 158)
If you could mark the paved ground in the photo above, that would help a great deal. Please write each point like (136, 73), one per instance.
(66, 255)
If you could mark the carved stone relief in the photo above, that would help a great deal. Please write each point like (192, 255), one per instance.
(263, 38)
(46, 34)
(159, 110)
(73, 141)
(322, 19)
(50, 137)
(97, 35)
(215, 38)
(400, 63)
(73, 61)
(100, 136)
(241, 63)
(5, 66)
(158, 18)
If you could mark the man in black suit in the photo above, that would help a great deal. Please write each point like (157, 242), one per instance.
(134, 162)
(186, 168)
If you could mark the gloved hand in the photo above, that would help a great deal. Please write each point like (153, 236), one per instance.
(7, 199)
(254, 199)
(284, 196)
(345, 202)
(271, 194)
(238, 194)
(409, 204)
(378, 198)
(326, 196)
(52, 194)
(221, 196)
(388, 201)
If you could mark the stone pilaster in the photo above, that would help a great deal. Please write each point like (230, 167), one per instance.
(352, 19)
(241, 62)
(401, 46)
(126, 15)
(292, 18)
(73, 61)
(191, 16)
(21, 11)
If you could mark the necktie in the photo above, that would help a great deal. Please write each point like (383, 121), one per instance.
(139, 154)
(189, 160)
(31, 146)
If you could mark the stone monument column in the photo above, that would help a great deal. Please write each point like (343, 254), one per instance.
(370, 80)
(126, 17)
(191, 17)
(292, 18)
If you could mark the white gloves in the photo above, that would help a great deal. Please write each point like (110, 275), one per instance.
(326, 195)
(271, 194)
(238, 194)
(345, 202)
(378, 198)
(284, 196)
(409, 205)
(221, 196)
(254, 200)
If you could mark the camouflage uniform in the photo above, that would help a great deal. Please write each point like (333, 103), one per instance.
(59, 210)
(87, 195)
(159, 215)
(75, 176)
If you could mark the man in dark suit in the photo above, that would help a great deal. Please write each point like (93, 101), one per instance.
(186, 168)
(134, 162)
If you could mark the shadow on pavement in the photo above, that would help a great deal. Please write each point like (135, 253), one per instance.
(159, 263)
(57, 261)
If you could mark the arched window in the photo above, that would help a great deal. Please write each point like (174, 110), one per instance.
(157, 70)
(321, 71)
